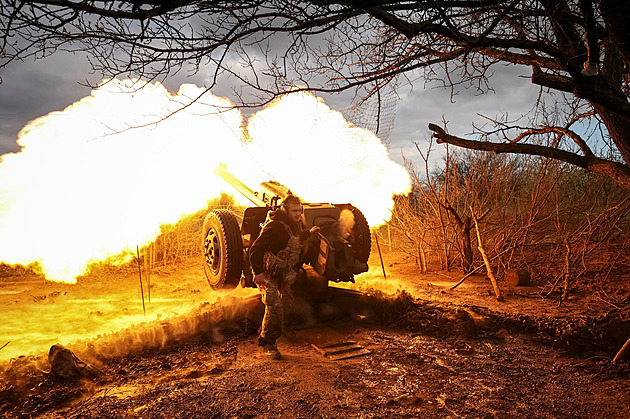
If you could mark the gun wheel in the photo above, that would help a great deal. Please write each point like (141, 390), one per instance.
(361, 235)
(223, 250)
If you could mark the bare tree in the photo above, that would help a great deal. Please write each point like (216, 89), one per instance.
(578, 52)
(566, 227)
(441, 210)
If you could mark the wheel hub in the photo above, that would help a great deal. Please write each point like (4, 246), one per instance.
(212, 251)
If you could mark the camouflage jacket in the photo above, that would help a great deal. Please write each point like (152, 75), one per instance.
(273, 238)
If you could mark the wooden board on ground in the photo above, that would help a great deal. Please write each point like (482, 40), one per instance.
(331, 344)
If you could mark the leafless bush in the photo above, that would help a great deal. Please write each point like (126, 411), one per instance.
(182, 240)
(566, 226)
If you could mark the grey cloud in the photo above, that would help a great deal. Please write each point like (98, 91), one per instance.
(513, 93)
(31, 89)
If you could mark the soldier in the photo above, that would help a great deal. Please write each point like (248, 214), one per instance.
(275, 259)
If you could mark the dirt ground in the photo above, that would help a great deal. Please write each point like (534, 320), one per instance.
(434, 352)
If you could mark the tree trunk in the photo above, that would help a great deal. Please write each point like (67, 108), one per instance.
(486, 261)
(616, 14)
(618, 128)
(567, 272)
(444, 255)
(467, 252)
(423, 259)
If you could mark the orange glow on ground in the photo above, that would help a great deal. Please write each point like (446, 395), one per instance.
(38, 314)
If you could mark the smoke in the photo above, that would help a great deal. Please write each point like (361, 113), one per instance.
(324, 158)
(100, 177)
(346, 223)
(76, 193)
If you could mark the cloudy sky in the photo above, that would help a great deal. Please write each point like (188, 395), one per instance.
(31, 89)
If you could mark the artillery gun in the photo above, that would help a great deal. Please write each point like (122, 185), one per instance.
(340, 251)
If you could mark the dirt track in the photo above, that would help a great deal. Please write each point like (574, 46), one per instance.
(430, 358)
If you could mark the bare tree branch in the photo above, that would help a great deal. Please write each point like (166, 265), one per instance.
(272, 46)
(618, 171)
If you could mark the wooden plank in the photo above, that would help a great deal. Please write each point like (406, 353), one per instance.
(331, 344)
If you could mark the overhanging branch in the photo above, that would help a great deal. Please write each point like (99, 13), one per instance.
(619, 172)
(552, 81)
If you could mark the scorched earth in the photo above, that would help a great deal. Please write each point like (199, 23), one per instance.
(433, 352)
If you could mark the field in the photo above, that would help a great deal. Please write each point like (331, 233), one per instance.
(435, 352)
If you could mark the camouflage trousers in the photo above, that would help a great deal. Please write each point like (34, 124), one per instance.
(277, 296)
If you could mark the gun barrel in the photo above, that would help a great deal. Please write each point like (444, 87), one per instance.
(221, 170)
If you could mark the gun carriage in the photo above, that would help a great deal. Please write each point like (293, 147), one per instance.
(337, 254)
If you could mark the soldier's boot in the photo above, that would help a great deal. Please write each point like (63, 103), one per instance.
(271, 351)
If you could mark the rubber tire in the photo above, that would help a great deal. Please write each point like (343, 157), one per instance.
(223, 250)
(361, 235)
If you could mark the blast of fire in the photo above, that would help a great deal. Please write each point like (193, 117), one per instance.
(101, 176)
(323, 158)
